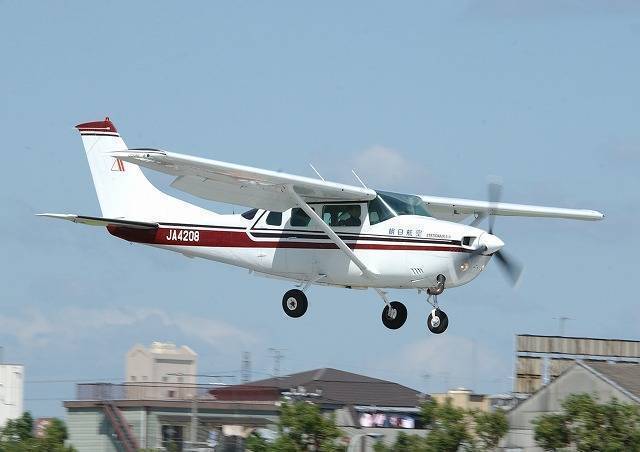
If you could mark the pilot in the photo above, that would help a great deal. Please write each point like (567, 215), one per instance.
(353, 218)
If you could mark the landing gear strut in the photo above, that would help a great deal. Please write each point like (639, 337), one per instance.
(294, 303)
(437, 321)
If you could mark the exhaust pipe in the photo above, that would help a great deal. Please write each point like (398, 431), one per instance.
(439, 287)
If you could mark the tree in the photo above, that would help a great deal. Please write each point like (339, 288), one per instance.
(590, 426)
(256, 443)
(490, 427)
(303, 427)
(20, 429)
(17, 436)
(448, 426)
(403, 443)
(551, 431)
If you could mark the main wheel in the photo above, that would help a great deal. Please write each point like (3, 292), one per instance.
(396, 318)
(294, 303)
(437, 323)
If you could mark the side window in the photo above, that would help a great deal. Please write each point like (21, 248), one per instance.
(299, 217)
(249, 214)
(274, 218)
(378, 211)
(342, 215)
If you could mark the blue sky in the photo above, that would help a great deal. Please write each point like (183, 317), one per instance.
(422, 97)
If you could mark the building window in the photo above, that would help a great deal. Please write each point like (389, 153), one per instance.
(172, 437)
(165, 379)
(171, 394)
(133, 378)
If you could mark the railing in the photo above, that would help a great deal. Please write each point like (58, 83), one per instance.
(121, 427)
(141, 391)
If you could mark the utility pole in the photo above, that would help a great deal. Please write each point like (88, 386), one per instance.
(245, 372)
(194, 421)
(278, 355)
(561, 322)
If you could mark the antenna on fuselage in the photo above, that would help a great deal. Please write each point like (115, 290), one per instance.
(316, 171)
(359, 180)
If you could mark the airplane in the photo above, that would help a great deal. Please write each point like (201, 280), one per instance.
(302, 229)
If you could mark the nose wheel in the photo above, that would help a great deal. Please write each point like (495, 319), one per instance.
(394, 315)
(437, 322)
(294, 303)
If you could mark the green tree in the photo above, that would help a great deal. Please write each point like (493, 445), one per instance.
(303, 427)
(256, 443)
(551, 431)
(403, 443)
(490, 427)
(590, 426)
(20, 429)
(448, 426)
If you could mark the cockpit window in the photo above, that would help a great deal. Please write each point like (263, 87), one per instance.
(388, 205)
(249, 214)
(379, 211)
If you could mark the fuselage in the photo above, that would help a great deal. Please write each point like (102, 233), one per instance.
(403, 251)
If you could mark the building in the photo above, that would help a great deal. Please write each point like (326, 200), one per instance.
(164, 370)
(605, 380)
(11, 392)
(109, 418)
(465, 399)
(540, 359)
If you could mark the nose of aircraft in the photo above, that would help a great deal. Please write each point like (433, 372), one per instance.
(490, 243)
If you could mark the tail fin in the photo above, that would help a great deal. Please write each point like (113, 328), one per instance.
(123, 190)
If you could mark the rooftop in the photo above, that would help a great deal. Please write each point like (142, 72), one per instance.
(333, 386)
(624, 375)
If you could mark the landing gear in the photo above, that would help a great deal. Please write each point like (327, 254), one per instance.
(294, 303)
(437, 321)
(394, 315)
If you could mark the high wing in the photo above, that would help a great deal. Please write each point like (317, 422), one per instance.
(454, 209)
(238, 184)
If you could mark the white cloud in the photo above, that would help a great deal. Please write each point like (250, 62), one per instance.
(35, 329)
(384, 167)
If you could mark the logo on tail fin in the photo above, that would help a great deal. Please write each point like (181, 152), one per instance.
(118, 165)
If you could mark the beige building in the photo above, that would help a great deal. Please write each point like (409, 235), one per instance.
(465, 399)
(162, 371)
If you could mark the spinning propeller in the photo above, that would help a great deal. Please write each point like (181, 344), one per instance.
(509, 266)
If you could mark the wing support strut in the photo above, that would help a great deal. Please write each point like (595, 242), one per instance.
(330, 232)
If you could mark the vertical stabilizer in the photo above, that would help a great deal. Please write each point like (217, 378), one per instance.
(123, 190)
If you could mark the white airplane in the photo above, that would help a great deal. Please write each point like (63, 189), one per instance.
(302, 229)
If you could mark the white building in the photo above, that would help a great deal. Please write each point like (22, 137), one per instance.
(11, 392)
(161, 371)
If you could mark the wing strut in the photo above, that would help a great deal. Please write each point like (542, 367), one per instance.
(330, 232)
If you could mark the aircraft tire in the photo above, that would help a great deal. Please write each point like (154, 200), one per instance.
(294, 303)
(444, 322)
(400, 318)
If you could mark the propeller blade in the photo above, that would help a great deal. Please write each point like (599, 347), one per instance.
(511, 267)
(495, 194)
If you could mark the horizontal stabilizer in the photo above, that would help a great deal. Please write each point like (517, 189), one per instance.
(99, 221)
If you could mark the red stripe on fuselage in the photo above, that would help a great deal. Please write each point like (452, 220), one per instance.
(240, 239)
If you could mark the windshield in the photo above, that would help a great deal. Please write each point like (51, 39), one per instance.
(388, 205)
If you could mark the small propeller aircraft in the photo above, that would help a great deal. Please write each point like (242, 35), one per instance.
(301, 229)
